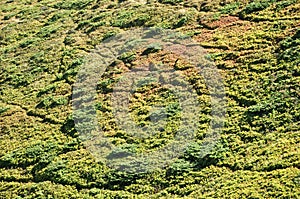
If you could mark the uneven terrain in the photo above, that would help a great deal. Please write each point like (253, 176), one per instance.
(254, 44)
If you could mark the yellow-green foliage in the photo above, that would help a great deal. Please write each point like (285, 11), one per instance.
(256, 47)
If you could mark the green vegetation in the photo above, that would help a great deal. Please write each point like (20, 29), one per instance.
(256, 47)
(229, 8)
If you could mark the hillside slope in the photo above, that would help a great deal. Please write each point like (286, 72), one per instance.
(254, 44)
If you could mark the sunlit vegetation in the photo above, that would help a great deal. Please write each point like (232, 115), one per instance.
(254, 44)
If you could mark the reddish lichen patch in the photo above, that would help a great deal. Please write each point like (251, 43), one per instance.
(222, 22)
(204, 36)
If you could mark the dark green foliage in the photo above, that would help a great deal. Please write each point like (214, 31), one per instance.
(256, 6)
(50, 102)
(30, 155)
(229, 8)
(204, 154)
(128, 57)
(179, 167)
(181, 22)
(69, 127)
(108, 35)
(172, 2)
(290, 48)
(283, 4)
(126, 19)
(3, 109)
(152, 48)
(72, 4)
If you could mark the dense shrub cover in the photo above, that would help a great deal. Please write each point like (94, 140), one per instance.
(256, 47)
